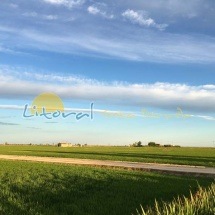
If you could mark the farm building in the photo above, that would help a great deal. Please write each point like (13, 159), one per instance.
(64, 145)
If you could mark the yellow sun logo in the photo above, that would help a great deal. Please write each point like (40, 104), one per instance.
(48, 101)
(50, 106)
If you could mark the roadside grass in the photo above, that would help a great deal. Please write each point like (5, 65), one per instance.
(28, 188)
(200, 203)
(183, 155)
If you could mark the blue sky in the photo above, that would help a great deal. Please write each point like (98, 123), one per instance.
(124, 56)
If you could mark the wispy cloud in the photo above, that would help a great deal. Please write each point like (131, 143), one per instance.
(159, 95)
(66, 3)
(34, 128)
(144, 113)
(14, 6)
(8, 123)
(210, 118)
(30, 14)
(141, 18)
(41, 16)
(149, 47)
(100, 9)
(4, 49)
(50, 17)
(184, 41)
(11, 107)
(6, 117)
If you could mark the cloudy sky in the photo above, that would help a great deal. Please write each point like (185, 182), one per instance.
(145, 58)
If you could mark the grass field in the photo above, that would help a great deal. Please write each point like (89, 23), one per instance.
(187, 156)
(28, 188)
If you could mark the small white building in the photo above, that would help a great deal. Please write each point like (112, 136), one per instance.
(64, 145)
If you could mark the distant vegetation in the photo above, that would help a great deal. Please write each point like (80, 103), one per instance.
(200, 203)
(137, 144)
(152, 144)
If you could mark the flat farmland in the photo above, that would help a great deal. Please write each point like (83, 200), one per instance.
(29, 188)
(183, 156)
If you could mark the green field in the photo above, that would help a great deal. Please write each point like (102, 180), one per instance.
(28, 188)
(183, 155)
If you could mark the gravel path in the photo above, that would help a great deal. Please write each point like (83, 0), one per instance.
(165, 168)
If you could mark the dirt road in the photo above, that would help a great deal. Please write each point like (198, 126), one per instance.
(166, 168)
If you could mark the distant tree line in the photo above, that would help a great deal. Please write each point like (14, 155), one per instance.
(152, 144)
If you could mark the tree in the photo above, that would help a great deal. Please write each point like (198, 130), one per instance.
(152, 144)
(137, 144)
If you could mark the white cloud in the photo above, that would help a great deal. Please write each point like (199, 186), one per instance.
(158, 95)
(100, 9)
(93, 10)
(50, 17)
(66, 3)
(141, 18)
